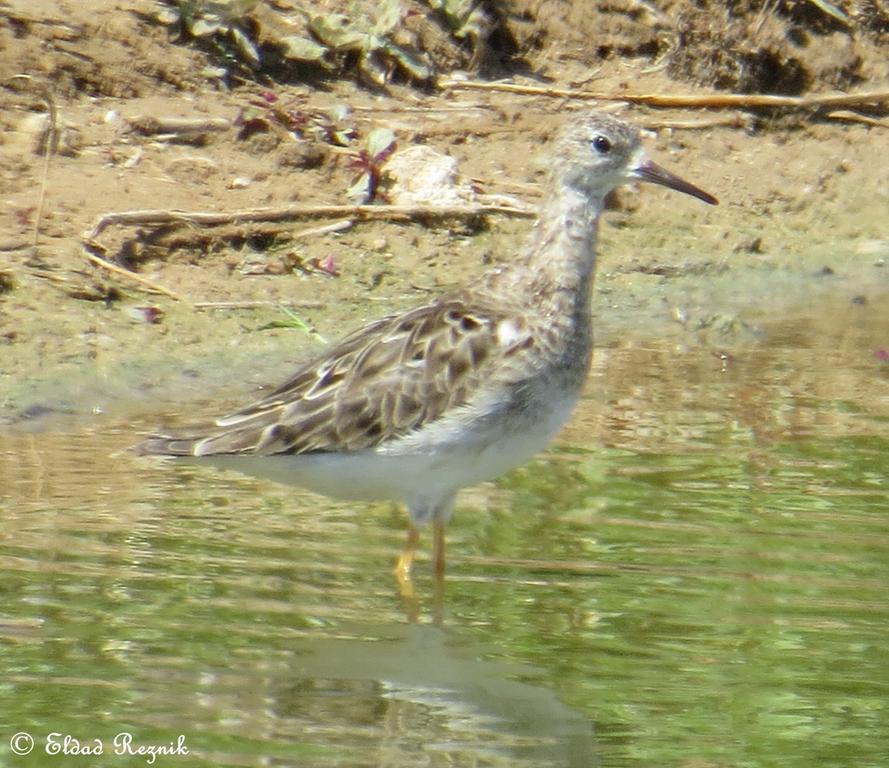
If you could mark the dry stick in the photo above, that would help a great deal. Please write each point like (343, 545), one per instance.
(465, 130)
(762, 100)
(325, 229)
(295, 212)
(854, 117)
(736, 120)
(160, 217)
(50, 140)
(144, 282)
(424, 110)
(741, 100)
(306, 304)
(149, 124)
(227, 232)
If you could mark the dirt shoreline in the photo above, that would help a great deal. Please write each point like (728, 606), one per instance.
(803, 215)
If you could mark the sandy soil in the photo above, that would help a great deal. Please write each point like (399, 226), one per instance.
(805, 198)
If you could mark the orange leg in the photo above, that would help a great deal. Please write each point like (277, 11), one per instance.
(406, 560)
(439, 534)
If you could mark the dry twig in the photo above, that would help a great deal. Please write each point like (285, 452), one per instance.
(291, 213)
(734, 120)
(854, 117)
(709, 101)
(306, 304)
(297, 212)
(142, 282)
(150, 125)
(48, 149)
(325, 229)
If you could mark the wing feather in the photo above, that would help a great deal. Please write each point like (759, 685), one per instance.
(379, 383)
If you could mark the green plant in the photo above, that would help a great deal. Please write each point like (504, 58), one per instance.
(369, 160)
(293, 321)
(267, 110)
(372, 42)
(466, 18)
(226, 22)
(368, 37)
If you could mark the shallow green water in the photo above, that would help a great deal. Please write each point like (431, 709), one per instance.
(697, 576)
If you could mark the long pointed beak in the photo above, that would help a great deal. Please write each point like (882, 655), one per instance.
(654, 174)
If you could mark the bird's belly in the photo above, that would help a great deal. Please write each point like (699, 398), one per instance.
(491, 453)
(435, 466)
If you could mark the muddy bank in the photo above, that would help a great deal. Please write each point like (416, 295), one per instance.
(803, 215)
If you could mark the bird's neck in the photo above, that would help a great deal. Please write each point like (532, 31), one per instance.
(561, 252)
(550, 282)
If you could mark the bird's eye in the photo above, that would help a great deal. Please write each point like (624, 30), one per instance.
(602, 145)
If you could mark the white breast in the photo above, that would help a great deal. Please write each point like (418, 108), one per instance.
(438, 460)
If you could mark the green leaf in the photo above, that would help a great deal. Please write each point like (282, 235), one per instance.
(389, 17)
(475, 26)
(292, 320)
(302, 48)
(360, 190)
(204, 27)
(240, 8)
(336, 31)
(831, 10)
(372, 67)
(465, 17)
(379, 140)
(168, 16)
(214, 73)
(339, 113)
(409, 62)
(245, 46)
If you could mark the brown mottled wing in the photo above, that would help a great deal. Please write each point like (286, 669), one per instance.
(378, 383)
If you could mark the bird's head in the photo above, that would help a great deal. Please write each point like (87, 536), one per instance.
(598, 153)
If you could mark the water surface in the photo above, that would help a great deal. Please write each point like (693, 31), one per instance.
(696, 575)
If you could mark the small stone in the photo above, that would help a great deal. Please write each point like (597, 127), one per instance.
(422, 175)
(148, 315)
